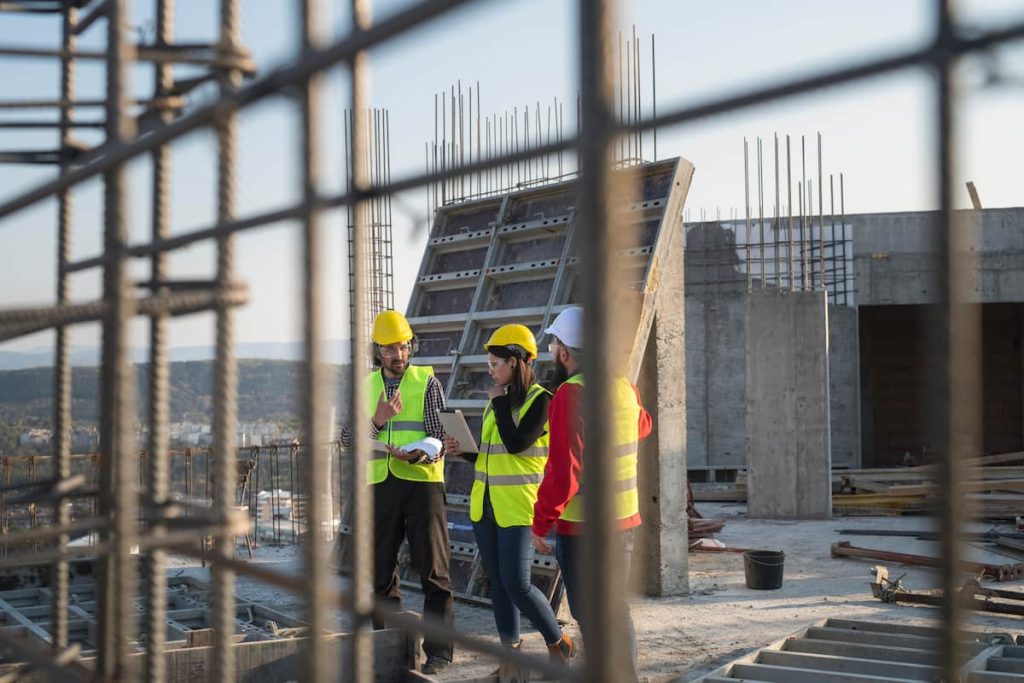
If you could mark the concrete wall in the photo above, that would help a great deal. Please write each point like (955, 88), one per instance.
(716, 383)
(893, 256)
(789, 460)
(844, 386)
(715, 380)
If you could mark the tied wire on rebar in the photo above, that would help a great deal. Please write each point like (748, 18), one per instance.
(116, 482)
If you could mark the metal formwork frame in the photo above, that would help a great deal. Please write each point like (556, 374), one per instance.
(118, 504)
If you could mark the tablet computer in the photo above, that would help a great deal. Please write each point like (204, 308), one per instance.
(455, 426)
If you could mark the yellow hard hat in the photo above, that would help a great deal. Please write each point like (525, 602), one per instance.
(515, 338)
(391, 327)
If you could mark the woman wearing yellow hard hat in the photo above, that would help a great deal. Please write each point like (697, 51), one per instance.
(508, 472)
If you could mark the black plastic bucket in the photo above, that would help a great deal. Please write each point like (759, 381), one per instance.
(763, 569)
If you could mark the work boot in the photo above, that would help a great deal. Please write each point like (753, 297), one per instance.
(435, 664)
(562, 652)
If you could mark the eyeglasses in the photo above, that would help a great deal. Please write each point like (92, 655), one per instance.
(491, 364)
(395, 350)
(552, 344)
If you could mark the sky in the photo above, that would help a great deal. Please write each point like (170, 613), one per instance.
(878, 133)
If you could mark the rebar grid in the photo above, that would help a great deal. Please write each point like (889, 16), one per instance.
(955, 330)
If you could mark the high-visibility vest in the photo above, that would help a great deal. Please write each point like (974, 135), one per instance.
(404, 428)
(626, 436)
(513, 478)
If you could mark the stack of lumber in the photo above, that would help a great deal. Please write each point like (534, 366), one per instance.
(993, 488)
(722, 492)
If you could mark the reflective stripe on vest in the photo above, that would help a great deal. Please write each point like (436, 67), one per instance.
(626, 435)
(404, 428)
(511, 478)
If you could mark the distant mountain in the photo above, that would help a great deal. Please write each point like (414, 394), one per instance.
(267, 390)
(337, 352)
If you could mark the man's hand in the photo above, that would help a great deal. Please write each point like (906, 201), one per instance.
(387, 409)
(496, 391)
(407, 456)
(451, 444)
(540, 544)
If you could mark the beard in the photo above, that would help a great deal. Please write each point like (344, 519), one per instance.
(396, 366)
(560, 374)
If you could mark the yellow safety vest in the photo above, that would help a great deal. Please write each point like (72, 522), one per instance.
(513, 478)
(404, 428)
(626, 431)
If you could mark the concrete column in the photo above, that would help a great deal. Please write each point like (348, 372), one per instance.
(788, 434)
(661, 558)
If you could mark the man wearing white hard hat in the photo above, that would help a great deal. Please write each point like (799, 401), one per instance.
(559, 502)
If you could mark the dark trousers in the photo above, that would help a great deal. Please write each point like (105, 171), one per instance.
(414, 511)
(569, 553)
(507, 555)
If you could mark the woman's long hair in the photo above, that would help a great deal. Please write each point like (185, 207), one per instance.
(522, 376)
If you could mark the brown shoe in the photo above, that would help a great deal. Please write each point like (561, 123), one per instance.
(563, 652)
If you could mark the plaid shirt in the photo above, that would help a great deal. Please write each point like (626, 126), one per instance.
(433, 400)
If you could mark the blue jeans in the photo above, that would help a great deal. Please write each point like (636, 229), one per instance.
(507, 555)
(569, 553)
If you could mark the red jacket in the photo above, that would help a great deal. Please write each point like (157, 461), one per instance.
(565, 462)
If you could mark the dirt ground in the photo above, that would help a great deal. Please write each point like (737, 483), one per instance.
(683, 638)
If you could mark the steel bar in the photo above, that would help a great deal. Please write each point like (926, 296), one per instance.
(159, 367)
(359, 603)
(225, 372)
(117, 472)
(62, 347)
(202, 55)
(98, 10)
(999, 572)
(315, 397)
(19, 322)
(603, 602)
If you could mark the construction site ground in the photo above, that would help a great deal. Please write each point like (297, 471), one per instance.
(683, 638)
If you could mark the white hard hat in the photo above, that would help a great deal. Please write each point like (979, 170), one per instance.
(568, 327)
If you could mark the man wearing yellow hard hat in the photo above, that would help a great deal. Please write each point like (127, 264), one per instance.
(409, 498)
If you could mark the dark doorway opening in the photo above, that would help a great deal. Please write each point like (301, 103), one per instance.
(894, 357)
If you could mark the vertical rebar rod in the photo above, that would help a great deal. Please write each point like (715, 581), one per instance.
(654, 98)
(789, 209)
(637, 134)
(842, 224)
(776, 214)
(803, 214)
(746, 199)
(956, 334)
(607, 651)
(62, 351)
(832, 239)
(358, 664)
(479, 175)
(159, 369)
(225, 378)
(760, 207)
(317, 461)
(621, 88)
(462, 145)
(821, 217)
(118, 481)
